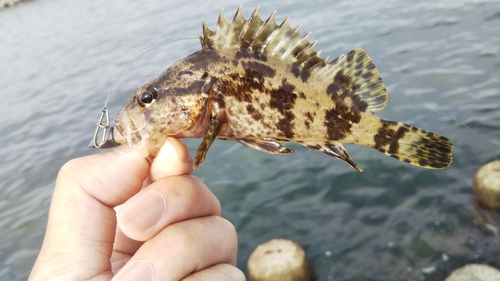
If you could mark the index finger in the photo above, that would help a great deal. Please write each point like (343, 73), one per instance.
(82, 221)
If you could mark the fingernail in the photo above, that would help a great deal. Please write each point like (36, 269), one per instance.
(181, 153)
(140, 270)
(142, 213)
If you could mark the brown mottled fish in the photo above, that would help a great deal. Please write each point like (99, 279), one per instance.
(262, 84)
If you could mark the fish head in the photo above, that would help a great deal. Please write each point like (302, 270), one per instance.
(168, 105)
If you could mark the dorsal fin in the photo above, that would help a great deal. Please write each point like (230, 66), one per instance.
(263, 37)
(284, 42)
(356, 71)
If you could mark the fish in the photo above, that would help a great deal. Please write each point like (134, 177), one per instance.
(262, 84)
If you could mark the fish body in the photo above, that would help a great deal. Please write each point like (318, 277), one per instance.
(262, 84)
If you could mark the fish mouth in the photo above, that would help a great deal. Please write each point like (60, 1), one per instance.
(132, 131)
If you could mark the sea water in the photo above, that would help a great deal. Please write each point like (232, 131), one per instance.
(440, 61)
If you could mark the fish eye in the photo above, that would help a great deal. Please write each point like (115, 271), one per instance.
(147, 97)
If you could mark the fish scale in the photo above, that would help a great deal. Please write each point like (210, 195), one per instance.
(262, 84)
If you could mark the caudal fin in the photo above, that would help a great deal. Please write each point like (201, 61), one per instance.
(413, 145)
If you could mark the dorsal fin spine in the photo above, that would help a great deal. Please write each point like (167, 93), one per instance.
(242, 33)
(314, 61)
(278, 33)
(221, 29)
(299, 47)
(306, 53)
(275, 38)
(251, 44)
(355, 70)
(207, 40)
(267, 28)
(245, 27)
(253, 29)
(292, 40)
(235, 29)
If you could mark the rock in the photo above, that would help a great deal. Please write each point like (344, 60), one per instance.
(475, 272)
(487, 185)
(279, 259)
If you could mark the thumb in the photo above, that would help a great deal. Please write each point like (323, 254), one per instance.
(82, 222)
(173, 159)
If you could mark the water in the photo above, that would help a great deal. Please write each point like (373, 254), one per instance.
(439, 59)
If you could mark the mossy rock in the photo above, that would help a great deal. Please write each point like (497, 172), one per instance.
(475, 272)
(487, 185)
(279, 260)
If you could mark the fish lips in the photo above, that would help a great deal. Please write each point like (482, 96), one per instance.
(132, 131)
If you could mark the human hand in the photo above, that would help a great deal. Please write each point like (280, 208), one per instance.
(175, 221)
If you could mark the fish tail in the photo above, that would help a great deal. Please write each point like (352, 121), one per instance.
(413, 145)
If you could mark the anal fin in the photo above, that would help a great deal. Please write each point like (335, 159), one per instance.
(210, 135)
(266, 145)
(333, 149)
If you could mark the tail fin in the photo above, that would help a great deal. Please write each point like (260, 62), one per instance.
(413, 145)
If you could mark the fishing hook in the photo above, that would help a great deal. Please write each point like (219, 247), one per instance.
(107, 132)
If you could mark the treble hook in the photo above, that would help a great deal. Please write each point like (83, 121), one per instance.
(107, 132)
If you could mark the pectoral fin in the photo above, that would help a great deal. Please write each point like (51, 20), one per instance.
(210, 135)
(266, 145)
(333, 149)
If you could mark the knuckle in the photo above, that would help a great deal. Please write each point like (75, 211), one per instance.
(182, 237)
(69, 167)
(229, 239)
(231, 230)
(72, 172)
(238, 275)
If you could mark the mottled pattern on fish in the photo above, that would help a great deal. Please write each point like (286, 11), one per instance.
(262, 84)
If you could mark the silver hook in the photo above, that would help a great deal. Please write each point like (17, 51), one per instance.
(107, 135)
